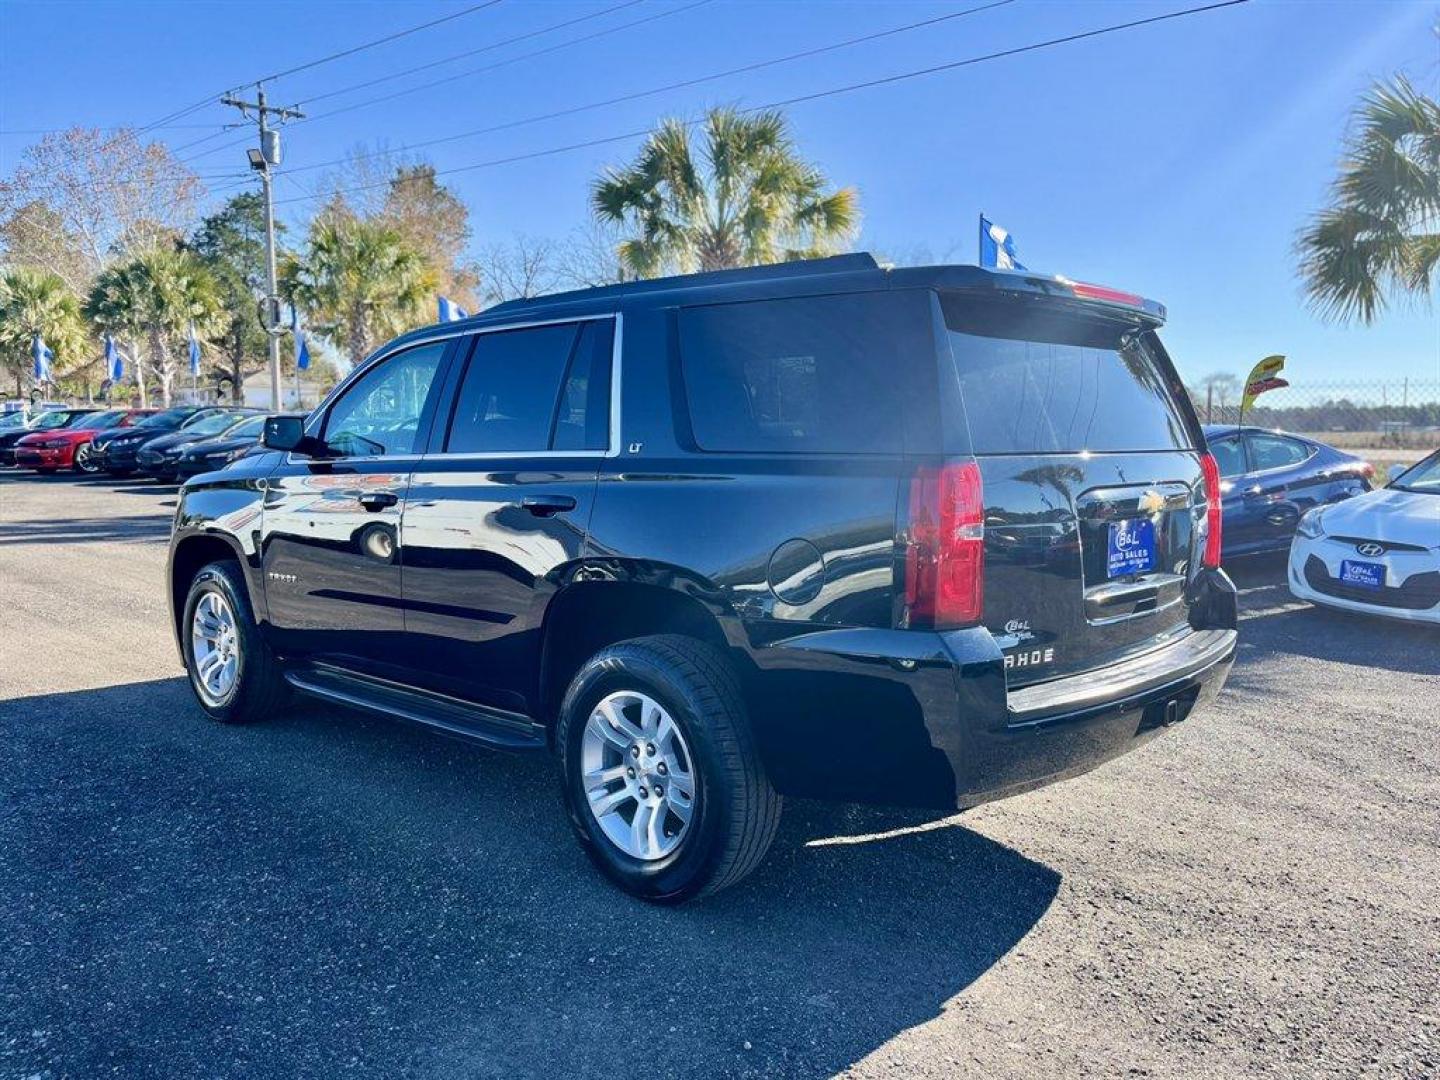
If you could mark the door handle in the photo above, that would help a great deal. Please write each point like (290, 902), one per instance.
(378, 500)
(547, 505)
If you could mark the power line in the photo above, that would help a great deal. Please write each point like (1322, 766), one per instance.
(379, 41)
(512, 60)
(832, 92)
(208, 99)
(109, 127)
(684, 83)
(474, 71)
(472, 52)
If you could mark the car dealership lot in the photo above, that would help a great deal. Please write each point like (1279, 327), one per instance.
(1259, 891)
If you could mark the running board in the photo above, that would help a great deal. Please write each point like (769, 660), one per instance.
(462, 719)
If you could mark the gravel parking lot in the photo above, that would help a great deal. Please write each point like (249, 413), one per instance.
(325, 894)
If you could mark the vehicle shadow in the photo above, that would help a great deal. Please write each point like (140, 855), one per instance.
(327, 891)
(139, 528)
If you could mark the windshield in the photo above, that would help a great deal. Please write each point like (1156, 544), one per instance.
(10, 421)
(251, 427)
(196, 417)
(1424, 477)
(84, 419)
(167, 419)
(212, 425)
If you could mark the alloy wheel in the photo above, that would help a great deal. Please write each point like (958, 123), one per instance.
(215, 648)
(638, 775)
(85, 458)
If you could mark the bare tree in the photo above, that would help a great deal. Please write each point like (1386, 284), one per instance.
(521, 267)
(79, 199)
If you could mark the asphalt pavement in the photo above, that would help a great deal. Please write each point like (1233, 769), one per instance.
(326, 894)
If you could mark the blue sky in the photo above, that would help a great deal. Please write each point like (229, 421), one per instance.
(1177, 160)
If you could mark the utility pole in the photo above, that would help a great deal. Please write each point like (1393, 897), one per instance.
(262, 161)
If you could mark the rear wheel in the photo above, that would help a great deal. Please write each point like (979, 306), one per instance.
(84, 460)
(662, 781)
(232, 670)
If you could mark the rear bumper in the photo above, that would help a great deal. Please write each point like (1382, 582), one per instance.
(1056, 730)
(905, 717)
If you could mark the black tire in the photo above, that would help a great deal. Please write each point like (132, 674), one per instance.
(260, 690)
(737, 811)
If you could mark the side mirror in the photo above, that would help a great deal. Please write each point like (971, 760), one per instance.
(286, 433)
(1394, 472)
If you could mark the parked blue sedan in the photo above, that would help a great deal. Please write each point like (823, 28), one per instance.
(1269, 478)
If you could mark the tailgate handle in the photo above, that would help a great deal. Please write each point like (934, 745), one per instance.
(378, 500)
(1105, 595)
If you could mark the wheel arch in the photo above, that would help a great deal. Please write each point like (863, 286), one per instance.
(586, 616)
(188, 556)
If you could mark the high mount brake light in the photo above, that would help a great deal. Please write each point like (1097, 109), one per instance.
(1211, 472)
(1104, 292)
(945, 554)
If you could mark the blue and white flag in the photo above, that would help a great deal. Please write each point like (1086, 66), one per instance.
(302, 351)
(450, 311)
(194, 352)
(42, 355)
(114, 361)
(997, 247)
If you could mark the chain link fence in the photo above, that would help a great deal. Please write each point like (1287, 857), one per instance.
(1382, 421)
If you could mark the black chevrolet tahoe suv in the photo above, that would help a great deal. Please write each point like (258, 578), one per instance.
(923, 537)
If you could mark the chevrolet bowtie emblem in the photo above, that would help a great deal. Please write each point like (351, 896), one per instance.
(1152, 502)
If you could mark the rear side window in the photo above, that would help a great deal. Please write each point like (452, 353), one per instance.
(808, 375)
(536, 389)
(1275, 451)
(1228, 456)
(1038, 380)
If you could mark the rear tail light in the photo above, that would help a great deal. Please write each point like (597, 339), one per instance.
(945, 553)
(1212, 510)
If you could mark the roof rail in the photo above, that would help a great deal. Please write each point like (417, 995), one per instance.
(835, 264)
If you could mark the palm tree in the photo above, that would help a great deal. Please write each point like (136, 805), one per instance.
(35, 301)
(155, 299)
(359, 283)
(1381, 234)
(750, 199)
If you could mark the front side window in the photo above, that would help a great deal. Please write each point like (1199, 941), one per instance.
(1275, 452)
(380, 412)
(1229, 456)
(806, 375)
(535, 389)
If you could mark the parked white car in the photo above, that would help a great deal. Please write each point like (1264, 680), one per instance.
(1378, 553)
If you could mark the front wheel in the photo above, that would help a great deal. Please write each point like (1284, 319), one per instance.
(234, 674)
(662, 781)
(84, 460)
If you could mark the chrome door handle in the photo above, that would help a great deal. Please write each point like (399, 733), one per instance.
(378, 500)
(547, 505)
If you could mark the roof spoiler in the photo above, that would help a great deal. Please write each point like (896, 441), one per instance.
(1022, 281)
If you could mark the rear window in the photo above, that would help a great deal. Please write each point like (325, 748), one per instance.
(807, 375)
(1043, 381)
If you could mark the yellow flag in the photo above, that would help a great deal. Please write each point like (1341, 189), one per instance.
(1263, 376)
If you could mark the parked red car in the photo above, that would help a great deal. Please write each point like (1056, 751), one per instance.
(69, 448)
